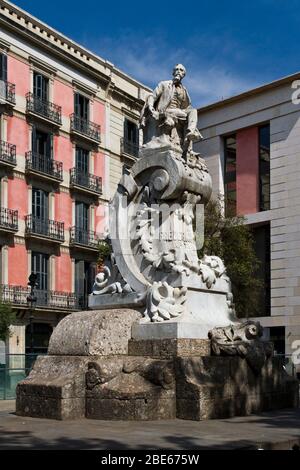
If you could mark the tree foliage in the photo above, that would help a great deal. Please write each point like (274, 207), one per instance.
(232, 240)
(104, 251)
(7, 317)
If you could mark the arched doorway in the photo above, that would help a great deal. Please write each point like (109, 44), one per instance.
(37, 338)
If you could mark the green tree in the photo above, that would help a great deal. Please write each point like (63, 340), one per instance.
(232, 240)
(7, 318)
(104, 251)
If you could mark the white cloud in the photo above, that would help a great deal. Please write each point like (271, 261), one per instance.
(151, 59)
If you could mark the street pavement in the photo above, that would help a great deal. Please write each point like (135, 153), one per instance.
(273, 430)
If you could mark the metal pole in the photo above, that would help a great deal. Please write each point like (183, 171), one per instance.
(31, 299)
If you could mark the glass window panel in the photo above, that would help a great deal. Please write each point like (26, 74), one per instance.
(264, 167)
(230, 174)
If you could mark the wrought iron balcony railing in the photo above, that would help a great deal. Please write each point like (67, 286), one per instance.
(85, 180)
(86, 128)
(8, 220)
(8, 153)
(45, 228)
(44, 164)
(86, 238)
(18, 295)
(43, 108)
(8, 91)
(129, 148)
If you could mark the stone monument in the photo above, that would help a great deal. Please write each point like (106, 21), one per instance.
(161, 339)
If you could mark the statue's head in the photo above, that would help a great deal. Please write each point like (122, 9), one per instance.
(179, 72)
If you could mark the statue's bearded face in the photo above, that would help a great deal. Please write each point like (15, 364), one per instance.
(179, 72)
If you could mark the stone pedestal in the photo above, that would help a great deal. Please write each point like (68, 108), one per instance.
(55, 388)
(169, 348)
(224, 387)
(114, 377)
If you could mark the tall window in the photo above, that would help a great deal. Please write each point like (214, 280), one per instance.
(3, 67)
(3, 75)
(40, 203)
(264, 167)
(262, 246)
(82, 160)
(131, 138)
(277, 337)
(40, 86)
(81, 105)
(42, 143)
(39, 265)
(37, 338)
(230, 174)
(85, 273)
(131, 132)
(82, 222)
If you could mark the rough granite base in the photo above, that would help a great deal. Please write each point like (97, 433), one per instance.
(169, 348)
(113, 377)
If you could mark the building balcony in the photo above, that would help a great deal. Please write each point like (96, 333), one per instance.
(19, 296)
(8, 220)
(43, 109)
(8, 154)
(129, 148)
(85, 129)
(7, 93)
(83, 239)
(85, 182)
(44, 166)
(51, 230)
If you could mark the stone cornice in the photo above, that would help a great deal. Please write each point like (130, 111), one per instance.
(43, 66)
(27, 25)
(131, 115)
(78, 86)
(4, 46)
(135, 103)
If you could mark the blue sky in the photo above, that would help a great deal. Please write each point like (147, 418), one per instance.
(227, 46)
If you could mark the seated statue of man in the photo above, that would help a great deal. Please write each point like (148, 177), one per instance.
(168, 116)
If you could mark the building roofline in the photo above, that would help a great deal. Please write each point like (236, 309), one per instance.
(45, 27)
(251, 92)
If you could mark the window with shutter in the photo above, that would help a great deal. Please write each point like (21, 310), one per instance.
(40, 86)
(39, 266)
(81, 105)
(3, 67)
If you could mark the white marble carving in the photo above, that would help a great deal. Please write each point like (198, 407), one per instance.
(152, 224)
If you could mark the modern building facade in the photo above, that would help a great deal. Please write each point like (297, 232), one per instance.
(68, 126)
(252, 146)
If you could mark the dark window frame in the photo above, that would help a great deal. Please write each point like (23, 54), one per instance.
(40, 266)
(3, 67)
(230, 159)
(82, 160)
(81, 106)
(40, 86)
(264, 167)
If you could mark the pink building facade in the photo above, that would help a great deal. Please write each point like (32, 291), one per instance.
(64, 116)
